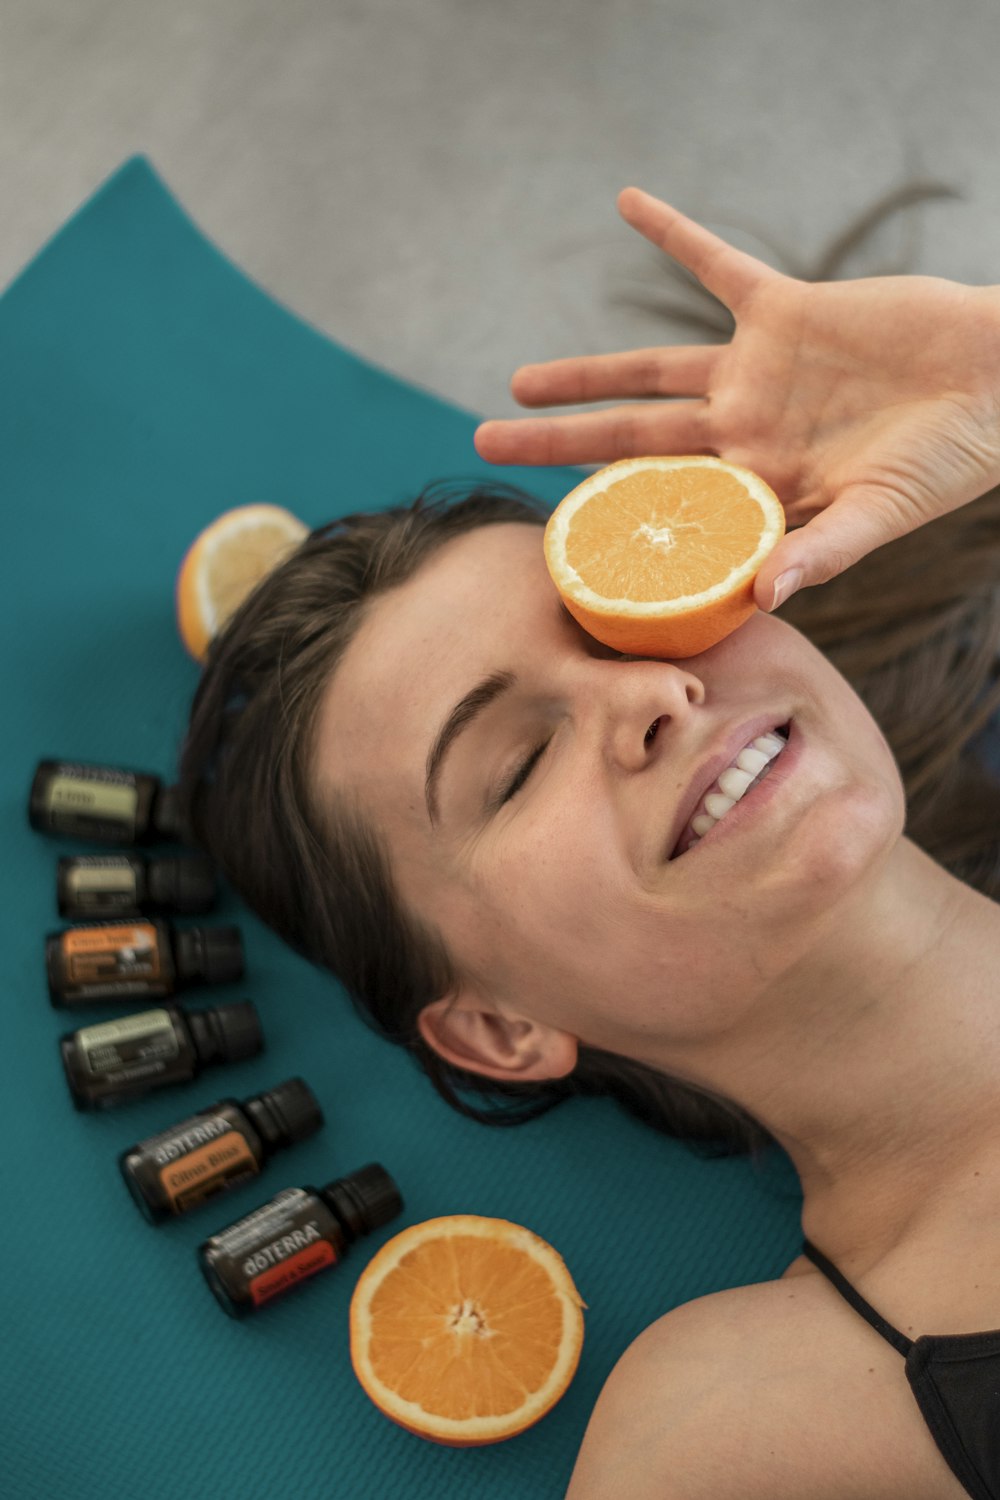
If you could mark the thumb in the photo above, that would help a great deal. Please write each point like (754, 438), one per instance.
(861, 518)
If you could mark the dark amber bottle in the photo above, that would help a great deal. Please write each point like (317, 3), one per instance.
(101, 803)
(145, 959)
(216, 1149)
(299, 1233)
(100, 886)
(122, 1060)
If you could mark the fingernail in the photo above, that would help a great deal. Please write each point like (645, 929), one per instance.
(785, 584)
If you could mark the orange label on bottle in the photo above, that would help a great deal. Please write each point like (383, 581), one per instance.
(297, 1268)
(203, 1171)
(112, 952)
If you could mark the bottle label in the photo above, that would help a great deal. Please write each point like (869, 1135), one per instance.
(136, 1045)
(79, 796)
(298, 1267)
(124, 960)
(198, 1158)
(102, 883)
(281, 1244)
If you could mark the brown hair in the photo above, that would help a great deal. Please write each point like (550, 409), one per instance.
(915, 627)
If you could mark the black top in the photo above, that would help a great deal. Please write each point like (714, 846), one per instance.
(956, 1381)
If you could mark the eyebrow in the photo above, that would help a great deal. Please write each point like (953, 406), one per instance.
(464, 713)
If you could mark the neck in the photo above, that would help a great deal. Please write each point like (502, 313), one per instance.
(877, 1063)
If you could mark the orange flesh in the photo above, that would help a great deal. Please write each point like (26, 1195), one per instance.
(511, 1338)
(242, 563)
(633, 541)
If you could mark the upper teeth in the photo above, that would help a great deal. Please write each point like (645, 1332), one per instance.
(735, 781)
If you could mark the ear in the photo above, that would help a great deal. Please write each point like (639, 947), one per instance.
(467, 1032)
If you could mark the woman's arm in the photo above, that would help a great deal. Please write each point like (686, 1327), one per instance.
(870, 406)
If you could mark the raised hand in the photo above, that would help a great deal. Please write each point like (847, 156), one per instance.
(869, 406)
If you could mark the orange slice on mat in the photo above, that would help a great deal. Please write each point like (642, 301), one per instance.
(223, 564)
(657, 556)
(466, 1330)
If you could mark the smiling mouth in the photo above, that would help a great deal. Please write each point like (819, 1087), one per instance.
(752, 764)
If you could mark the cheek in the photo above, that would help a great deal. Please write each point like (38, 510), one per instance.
(544, 913)
(578, 945)
(560, 875)
(783, 665)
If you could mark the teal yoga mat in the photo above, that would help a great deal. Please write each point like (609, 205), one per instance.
(146, 385)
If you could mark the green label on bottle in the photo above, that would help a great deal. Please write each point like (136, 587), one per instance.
(107, 877)
(74, 797)
(117, 1044)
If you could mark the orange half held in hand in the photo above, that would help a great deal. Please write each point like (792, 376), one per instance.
(223, 564)
(658, 556)
(466, 1330)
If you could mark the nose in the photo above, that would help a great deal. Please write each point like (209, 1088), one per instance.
(641, 701)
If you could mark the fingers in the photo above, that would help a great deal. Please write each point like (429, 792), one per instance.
(861, 518)
(684, 371)
(728, 273)
(596, 438)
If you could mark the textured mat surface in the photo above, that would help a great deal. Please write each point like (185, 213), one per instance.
(146, 385)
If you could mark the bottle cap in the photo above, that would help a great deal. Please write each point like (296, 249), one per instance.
(226, 1033)
(186, 885)
(287, 1113)
(166, 816)
(365, 1199)
(211, 955)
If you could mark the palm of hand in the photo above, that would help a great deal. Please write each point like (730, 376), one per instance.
(832, 388)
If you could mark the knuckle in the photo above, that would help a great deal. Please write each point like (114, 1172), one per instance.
(651, 378)
(834, 561)
(626, 432)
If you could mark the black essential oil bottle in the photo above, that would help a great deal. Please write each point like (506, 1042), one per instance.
(122, 1060)
(217, 1148)
(299, 1233)
(99, 886)
(147, 960)
(101, 803)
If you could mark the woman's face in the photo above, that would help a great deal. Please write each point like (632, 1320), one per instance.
(534, 826)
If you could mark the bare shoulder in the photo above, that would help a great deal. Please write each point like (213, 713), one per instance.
(768, 1391)
(676, 1412)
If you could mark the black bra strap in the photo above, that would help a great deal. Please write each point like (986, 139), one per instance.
(892, 1335)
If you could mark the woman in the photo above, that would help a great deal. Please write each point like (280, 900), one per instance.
(416, 767)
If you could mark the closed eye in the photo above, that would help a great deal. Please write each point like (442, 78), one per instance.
(522, 773)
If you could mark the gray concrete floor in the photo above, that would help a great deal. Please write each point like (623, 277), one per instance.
(432, 182)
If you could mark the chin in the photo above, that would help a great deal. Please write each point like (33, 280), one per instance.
(843, 842)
